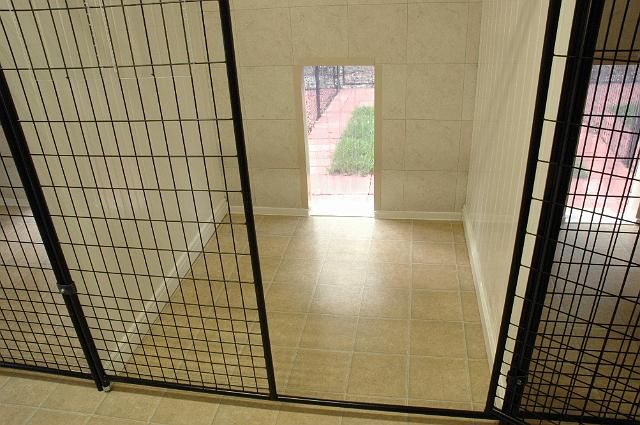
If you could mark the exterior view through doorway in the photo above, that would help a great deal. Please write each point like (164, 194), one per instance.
(604, 181)
(340, 126)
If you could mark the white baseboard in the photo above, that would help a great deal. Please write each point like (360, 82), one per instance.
(489, 328)
(419, 215)
(164, 289)
(294, 212)
(396, 215)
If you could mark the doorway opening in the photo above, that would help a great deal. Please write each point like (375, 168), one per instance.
(340, 128)
(604, 183)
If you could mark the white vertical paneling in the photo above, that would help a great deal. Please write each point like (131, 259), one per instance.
(511, 42)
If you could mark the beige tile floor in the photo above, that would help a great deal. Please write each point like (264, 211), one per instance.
(373, 310)
(359, 309)
(37, 399)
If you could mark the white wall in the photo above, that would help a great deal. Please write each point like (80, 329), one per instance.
(426, 53)
(510, 52)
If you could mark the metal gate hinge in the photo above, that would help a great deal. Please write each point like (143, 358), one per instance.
(518, 379)
(67, 288)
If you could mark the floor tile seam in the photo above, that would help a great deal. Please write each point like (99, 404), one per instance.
(50, 391)
(348, 377)
(408, 330)
(408, 399)
(34, 410)
(409, 316)
(134, 421)
(466, 345)
(93, 411)
(372, 316)
(381, 354)
(307, 312)
(87, 415)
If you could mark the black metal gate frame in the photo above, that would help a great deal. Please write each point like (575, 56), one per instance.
(584, 33)
(26, 169)
(546, 66)
(586, 24)
(19, 149)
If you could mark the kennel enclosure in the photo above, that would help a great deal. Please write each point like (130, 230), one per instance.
(129, 249)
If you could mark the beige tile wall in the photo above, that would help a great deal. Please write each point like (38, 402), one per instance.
(427, 53)
(510, 51)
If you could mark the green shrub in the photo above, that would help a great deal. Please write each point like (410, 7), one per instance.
(354, 152)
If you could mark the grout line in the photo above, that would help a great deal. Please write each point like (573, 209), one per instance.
(464, 337)
(155, 409)
(29, 417)
(410, 321)
(6, 381)
(307, 312)
(267, 309)
(355, 335)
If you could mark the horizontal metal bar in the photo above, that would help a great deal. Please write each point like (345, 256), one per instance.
(107, 6)
(132, 66)
(125, 121)
(187, 387)
(381, 407)
(564, 417)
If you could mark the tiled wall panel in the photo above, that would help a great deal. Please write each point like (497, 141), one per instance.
(427, 53)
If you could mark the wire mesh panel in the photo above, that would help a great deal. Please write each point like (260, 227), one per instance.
(572, 339)
(321, 85)
(128, 114)
(35, 328)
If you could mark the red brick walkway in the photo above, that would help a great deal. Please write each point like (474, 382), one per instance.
(606, 185)
(338, 194)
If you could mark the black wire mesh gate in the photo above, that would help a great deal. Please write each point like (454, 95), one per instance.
(121, 259)
(39, 327)
(127, 134)
(570, 337)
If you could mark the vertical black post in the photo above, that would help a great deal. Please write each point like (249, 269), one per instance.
(573, 95)
(316, 70)
(544, 78)
(243, 167)
(31, 184)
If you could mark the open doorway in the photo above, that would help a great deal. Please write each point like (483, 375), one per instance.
(340, 126)
(605, 187)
